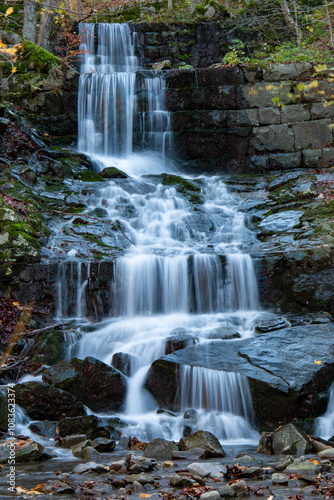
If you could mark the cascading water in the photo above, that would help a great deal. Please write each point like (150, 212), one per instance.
(186, 270)
(324, 426)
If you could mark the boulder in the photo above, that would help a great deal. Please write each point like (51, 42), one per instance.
(288, 439)
(47, 429)
(138, 463)
(103, 445)
(327, 454)
(95, 384)
(71, 441)
(125, 363)
(77, 449)
(22, 451)
(90, 467)
(91, 426)
(112, 173)
(303, 468)
(160, 449)
(205, 440)
(179, 342)
(43, 402)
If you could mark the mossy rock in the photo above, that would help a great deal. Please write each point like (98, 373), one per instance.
(87, 176)
(113, 173)
(3, 413)
(33, 58)
(50, 348)
(184, 186)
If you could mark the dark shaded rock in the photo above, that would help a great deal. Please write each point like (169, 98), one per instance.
(96, 384)
(162, 383)
(125, 363)
(269, 325)
(205, 440)
(112, 173)
(179, 342)
(49, 348)
(189, 421)
(78, 449)
(90, 467)
(103, 445)
(160, 449)
(193, 454)
(291, 440)
(90, 425)
(265, 445)
(43, 402)
(52, 487)
(74, 440)
(179, 481)
(47, 429)
(138, 463)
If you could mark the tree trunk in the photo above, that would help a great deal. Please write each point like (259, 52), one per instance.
(170, 5)
(289, 21)
(29, 20)
(46, 24)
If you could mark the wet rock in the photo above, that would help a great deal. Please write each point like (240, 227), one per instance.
(284, 462)
(179, 481)
(90, 425)
(144, 464)
(291, 440)
(43, 402)
(90, 467)
(137, 487)
(94, 383)
(226, 491)
(280, 222)
(113, 173)
(307, 468)
(52, 487)
(47, 429)
(327, 454)
(210, 495)
(21, 451)
(119, 466)
(139, 478)
(240, 488)
(205, 440)
(77, 449)
(89, 453)
(125, 363)
(159, 449)
(270, 325)
(189, 421)
(278, 478)
(70, 441)
(207, 468)
(265, 445)
(188, 455)
(173, 344)
(103, 445)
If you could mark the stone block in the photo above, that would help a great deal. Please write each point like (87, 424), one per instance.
(252, 73)
(295, 113)
(311, 158)
(290, 71)
(315, 91)
(272, 138)
(242, 117)
(180, 78)
(179, 99)
(312, 135)
(261, 95)
(185, 120)
(328, 155)
(285, 161)
(152, 38)
(259, 162)
(216, 97)
(322, 110)
(270, 116)
(226, 75)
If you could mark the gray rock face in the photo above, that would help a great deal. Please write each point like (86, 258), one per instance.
(160, 449)
(281, 222)
(291, 440)
(205, 440)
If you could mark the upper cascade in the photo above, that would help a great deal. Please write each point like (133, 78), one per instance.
(108, 110)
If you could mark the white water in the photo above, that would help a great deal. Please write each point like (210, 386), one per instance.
(324, 425)
(186, 271)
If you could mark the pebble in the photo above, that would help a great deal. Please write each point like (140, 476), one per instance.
(279, 478)
(210, 495)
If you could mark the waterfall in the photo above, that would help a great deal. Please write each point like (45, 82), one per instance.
(222, 400)
(187, 273)
(324, 426)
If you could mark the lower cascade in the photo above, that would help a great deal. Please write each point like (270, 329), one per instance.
(324, 425)
(183, 276)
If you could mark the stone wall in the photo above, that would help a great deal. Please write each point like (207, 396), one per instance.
(241, 119)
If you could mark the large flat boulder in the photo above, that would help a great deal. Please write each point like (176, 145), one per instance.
(283, 368)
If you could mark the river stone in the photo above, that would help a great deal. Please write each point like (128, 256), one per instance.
(77, 449)
(47, 429)
(269, 325)
(179, 481)
(288, 439)
(52, 487)
(90, 467)
(103, 445)
(71, 441)
(194, 454)
(159, 449)
(240, 487)
(226, 491)
(95, 384)
(284, 462)
(278, 478)
(302, 468)
(205, 440)
(210, 495)
(89, 453)
(327, 454)
(43, 402)
(140, 478)
(205, 469)
(281, 222)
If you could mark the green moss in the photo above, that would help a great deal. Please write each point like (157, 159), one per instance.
(50, 348)
(185, 187)
(113, 173)
(94, 239)
(87, 176)
(37, 60)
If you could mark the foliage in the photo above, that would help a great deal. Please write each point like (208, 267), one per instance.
(237, 54)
